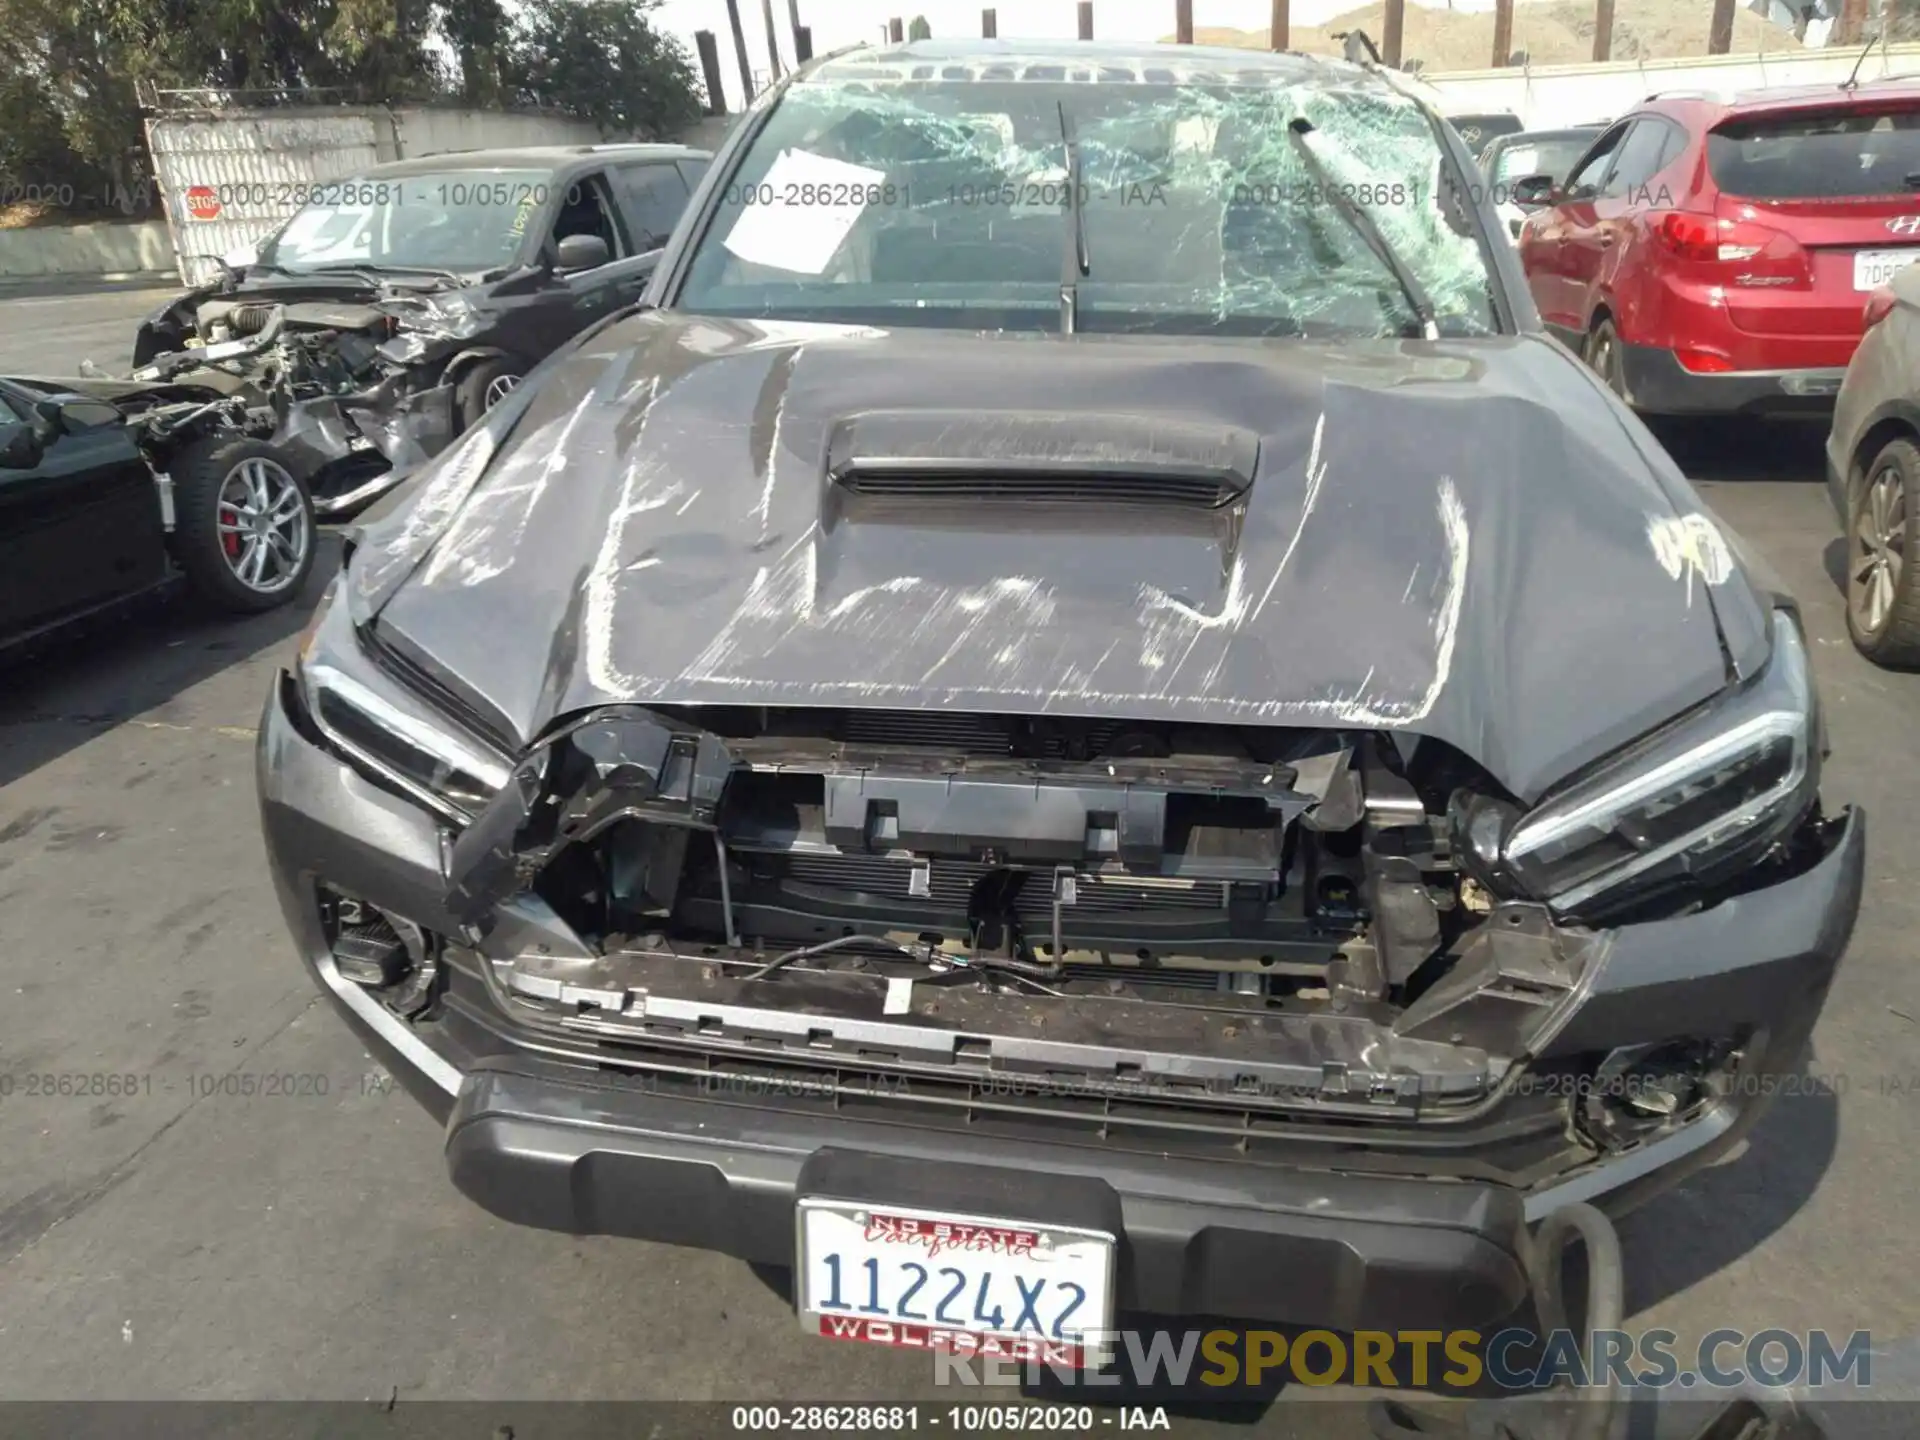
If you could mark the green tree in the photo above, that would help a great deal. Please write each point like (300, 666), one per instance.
(67, 73)
(919, 29)
(71, 72)
(33, 140)
(480, 36)
(603, 60)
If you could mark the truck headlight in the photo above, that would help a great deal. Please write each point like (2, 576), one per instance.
(1697, 800)
(383, 726)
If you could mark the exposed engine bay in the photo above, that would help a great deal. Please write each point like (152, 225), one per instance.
(359, 392)
(166, 416)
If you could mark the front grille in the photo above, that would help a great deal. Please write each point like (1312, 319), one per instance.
(975, 734)
(971, 734)
(1015, 487)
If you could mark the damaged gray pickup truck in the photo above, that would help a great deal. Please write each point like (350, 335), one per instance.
(390, 312)
(1082, 715)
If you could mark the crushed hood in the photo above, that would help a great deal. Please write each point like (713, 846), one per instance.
(1464, 540)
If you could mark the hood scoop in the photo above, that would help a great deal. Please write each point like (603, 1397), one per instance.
(953, 459)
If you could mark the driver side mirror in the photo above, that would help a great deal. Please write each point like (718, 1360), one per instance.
(1533, 190)
(21, 447)
(582, 252)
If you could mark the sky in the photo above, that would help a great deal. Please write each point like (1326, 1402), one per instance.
(848, 22)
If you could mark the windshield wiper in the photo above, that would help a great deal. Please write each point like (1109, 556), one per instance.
(372, 273)
(346, 269)
(1362, 222)
(434, 270)
(1075, 264)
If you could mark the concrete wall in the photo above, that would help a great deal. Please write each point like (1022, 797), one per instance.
(707, 133)
(109, 251)
(1549, 96)
(431, 130)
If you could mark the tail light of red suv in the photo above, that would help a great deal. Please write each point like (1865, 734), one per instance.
(1732, 252)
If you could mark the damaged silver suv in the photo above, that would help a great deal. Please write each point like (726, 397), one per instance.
(1081, 714)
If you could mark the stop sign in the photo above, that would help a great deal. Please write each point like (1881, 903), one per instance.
(202, 203)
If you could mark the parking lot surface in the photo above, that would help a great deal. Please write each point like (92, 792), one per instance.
(179, 1237)
(50, 331)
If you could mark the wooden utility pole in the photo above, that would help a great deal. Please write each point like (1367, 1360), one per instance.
(896, 31)
(989, 25)
(803, 45)
(1502, 32)
(793, 24)
(1183, 22)
(1853, 22)
(1086, 19)
(1280, 30)
(773, 38)
(740, 49)
(1602, 30)
(709, 49)
(1720, 32)
(1393, 33)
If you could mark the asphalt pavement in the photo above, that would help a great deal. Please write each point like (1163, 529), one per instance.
(162, 1236)
(49, 329)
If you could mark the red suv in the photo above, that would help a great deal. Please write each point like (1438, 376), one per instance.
(1715, 256)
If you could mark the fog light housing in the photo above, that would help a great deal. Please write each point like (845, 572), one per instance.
(366, 948)
(1640, 1089)
(389, 956)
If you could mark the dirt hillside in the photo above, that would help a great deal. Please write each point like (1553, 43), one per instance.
(1556, 32)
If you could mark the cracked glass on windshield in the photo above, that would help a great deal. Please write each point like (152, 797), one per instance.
(877, 194)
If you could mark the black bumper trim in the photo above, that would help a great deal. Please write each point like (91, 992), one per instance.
(1658, 384)
(1284, 1245)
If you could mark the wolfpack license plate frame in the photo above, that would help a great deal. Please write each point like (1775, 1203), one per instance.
(915, 1278)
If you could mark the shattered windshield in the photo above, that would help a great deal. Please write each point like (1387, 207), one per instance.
(457, 220)
(1163, 206)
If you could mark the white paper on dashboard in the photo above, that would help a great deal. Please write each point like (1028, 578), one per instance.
(783, 231)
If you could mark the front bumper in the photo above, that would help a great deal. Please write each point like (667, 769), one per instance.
(543, 1139)
(1658, 384)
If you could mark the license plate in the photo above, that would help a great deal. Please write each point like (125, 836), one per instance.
(1874, 268)
(973, 1286)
